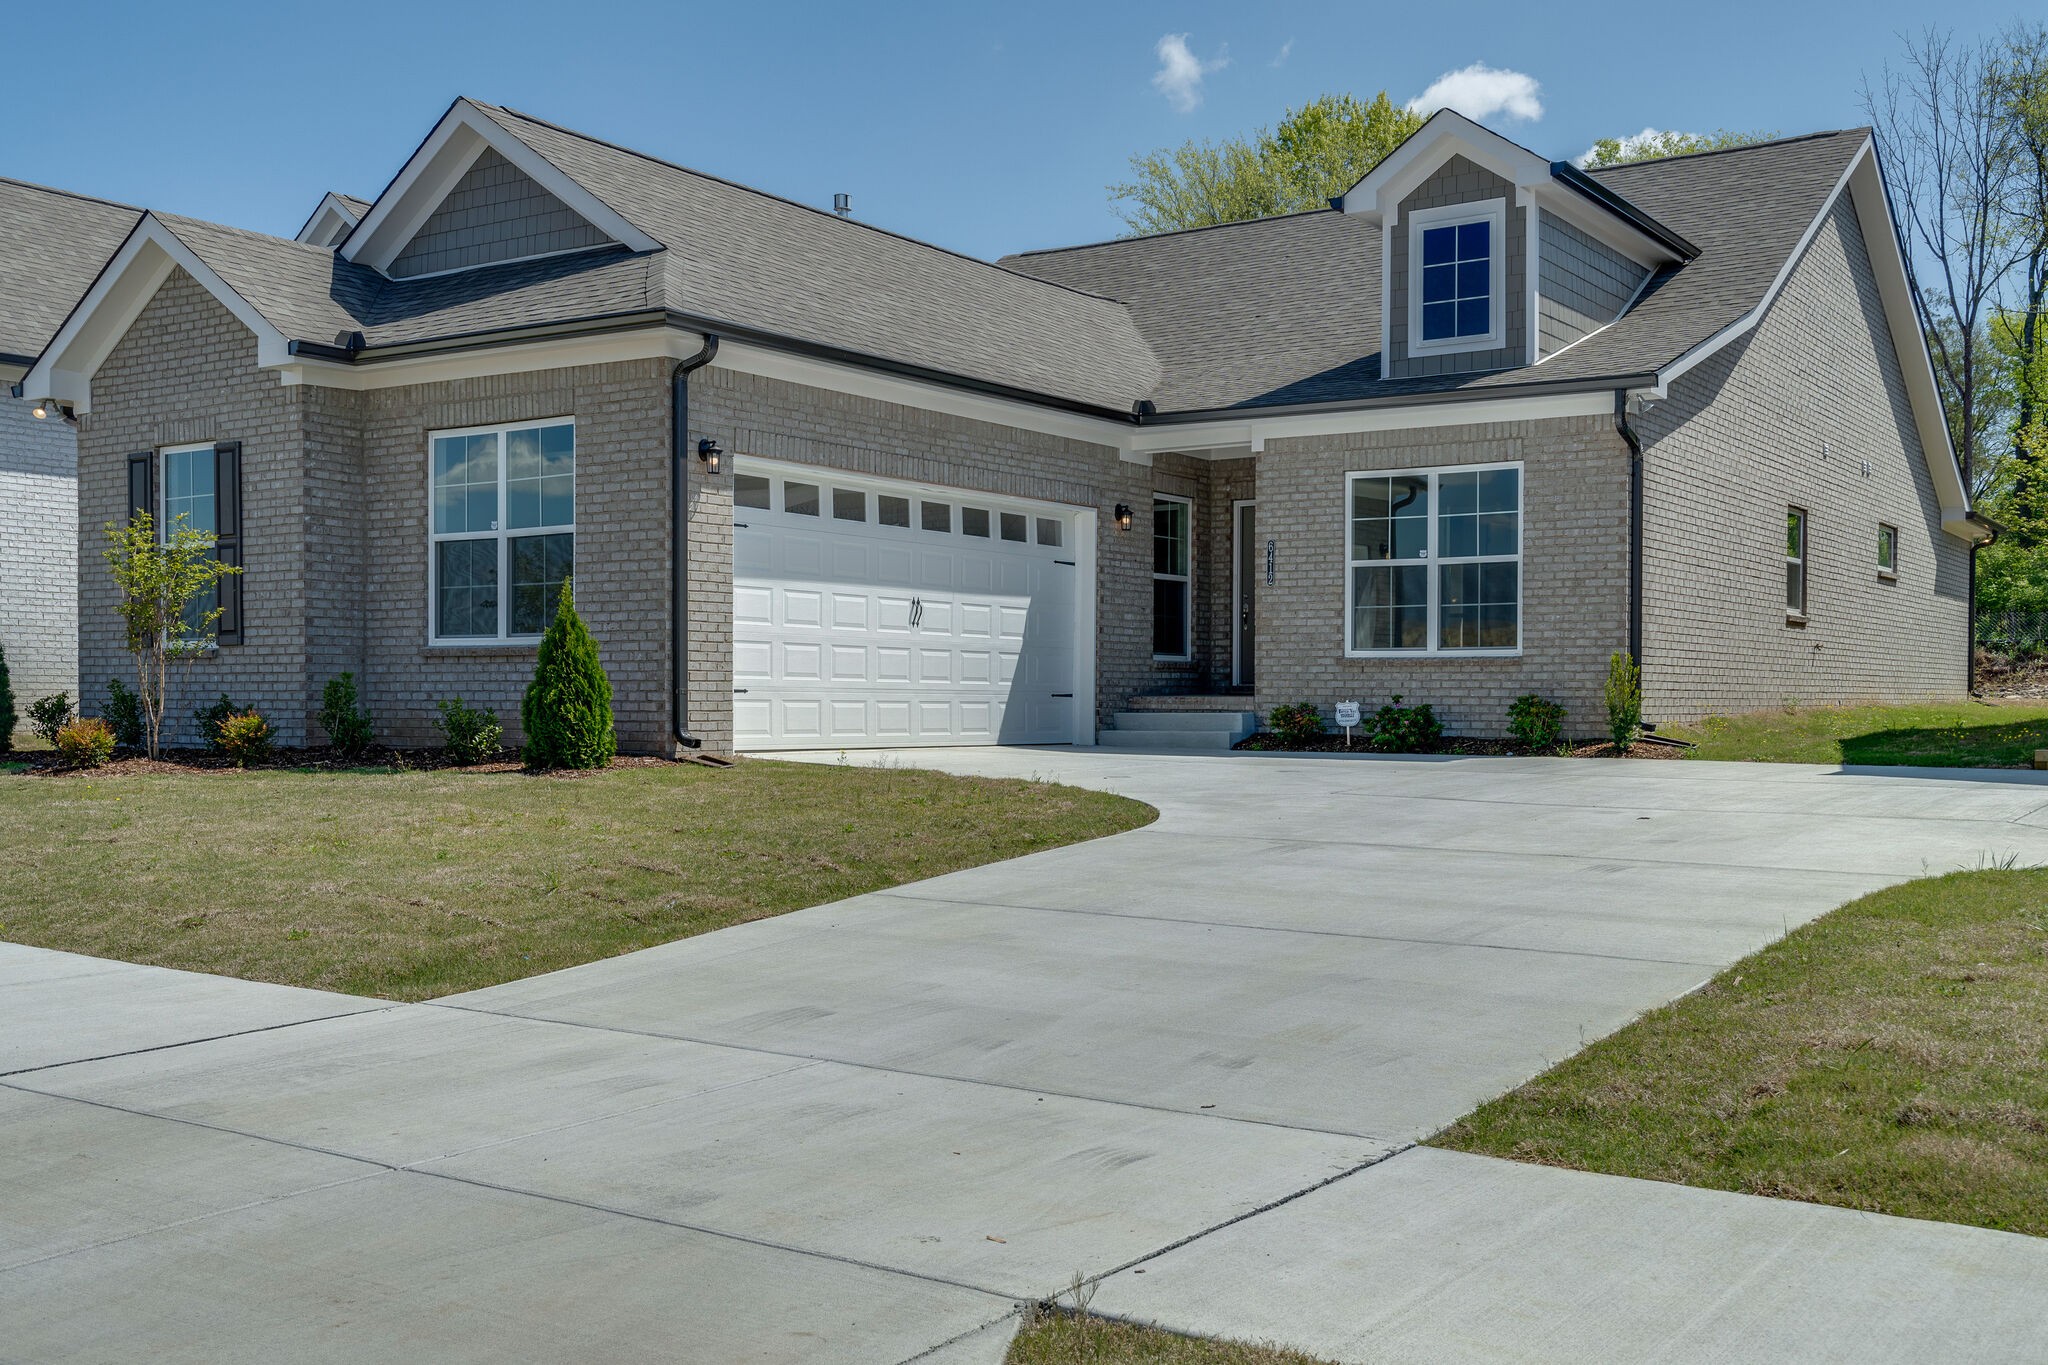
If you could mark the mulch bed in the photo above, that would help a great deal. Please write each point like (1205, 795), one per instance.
(1490, 748)
(47, 763)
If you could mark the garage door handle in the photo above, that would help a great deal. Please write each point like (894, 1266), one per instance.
(1057, 695)
(738, 690)
(1068, 562)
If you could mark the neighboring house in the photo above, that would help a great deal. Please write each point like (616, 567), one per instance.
(52, 244)
(821, 485)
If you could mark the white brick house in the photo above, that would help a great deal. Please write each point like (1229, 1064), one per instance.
(1481, 423)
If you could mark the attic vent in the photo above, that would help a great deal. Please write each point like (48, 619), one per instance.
(842, 204)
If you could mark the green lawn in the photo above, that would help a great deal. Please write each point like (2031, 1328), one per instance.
(1060, 1339)
(409, 885)
(1963, 734)
(1890, 1056)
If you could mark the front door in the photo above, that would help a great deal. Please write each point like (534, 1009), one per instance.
(1244, 579)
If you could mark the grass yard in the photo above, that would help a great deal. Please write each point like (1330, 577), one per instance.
(1060, 1339)
(1962, 734)
(409, 885)
(1890, 1056)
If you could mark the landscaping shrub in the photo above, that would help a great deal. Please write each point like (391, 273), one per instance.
(1296, 725)
(567, 713)
(346, 723)
(6, 705)
(86, 742)
(471, 733)
(50, 715)
(209, 719)
(1398, 729)
(1537, 723)
(1624, 700)
(244, 737)
(124, 713)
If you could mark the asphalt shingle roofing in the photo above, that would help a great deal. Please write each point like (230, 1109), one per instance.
(52, 245)
(1247, 316)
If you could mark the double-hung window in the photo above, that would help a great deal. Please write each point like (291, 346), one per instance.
(1887, 550)
(1172, 577)
(503, 529)
(1456, 273)
(1435, 561)
(1795, 561)
(198, 488)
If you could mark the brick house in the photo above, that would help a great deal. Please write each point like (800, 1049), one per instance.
(1479, 424)
(52, 244)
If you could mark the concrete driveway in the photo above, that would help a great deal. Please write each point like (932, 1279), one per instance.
(1191, 1059)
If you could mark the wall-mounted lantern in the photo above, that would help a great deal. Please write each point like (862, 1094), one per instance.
(710, 453)
(1123, 516)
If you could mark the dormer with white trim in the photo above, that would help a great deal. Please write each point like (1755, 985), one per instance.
(1494, 258)
(475, 195)
(332, 221)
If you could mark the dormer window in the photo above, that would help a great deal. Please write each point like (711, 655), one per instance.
(1456, 276)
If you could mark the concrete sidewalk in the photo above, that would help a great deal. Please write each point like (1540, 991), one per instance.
(865, 1131)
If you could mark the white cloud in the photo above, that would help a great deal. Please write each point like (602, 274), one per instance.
(1480, 91)
(1285, 48)
(1180, 72)
(1630, 145)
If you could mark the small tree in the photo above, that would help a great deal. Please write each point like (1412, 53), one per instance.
(1624, 701)
(7, 717)
(567, 712)
(159, 582)
(347, 724)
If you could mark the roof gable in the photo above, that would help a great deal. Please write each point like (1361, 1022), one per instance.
(495, 212)
(333, 219)
(444, 162)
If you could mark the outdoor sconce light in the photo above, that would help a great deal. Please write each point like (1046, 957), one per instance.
(709, 452)
(1123, 516)
(40, 411)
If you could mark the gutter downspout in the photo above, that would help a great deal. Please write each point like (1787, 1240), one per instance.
(1635, 525)
(679, 544)
(1970, 657)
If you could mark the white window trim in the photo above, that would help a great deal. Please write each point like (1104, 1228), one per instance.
(163, 485)
(1186, 581)
(1800, 613)
(1888, 572)
(1430, 559)
(1494, 211)
(503, 536)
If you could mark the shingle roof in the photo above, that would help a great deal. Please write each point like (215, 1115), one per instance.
(356, 207)
(1268, 313)
(52, 245)
(1287, 310)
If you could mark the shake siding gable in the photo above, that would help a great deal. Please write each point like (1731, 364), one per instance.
(1461, 181)
(1790, 416)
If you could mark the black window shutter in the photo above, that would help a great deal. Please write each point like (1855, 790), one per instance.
(227, 507)
(142, 484)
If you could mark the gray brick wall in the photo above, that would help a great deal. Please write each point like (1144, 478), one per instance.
(186, 371)
(1574, 563)
(1581, 285)
(1740, 439)
(496, 212)
(1460, 181)
(38, 552)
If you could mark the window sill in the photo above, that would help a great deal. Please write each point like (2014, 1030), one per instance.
(1795, 618)
(1887, 576)
(483, 648)
(1427, 654)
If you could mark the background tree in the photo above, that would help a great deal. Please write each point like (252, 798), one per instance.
(159, 582)
(1651, 143)
(1316, 153)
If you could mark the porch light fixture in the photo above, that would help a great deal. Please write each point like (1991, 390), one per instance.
(710, 453)
(40, 410)
(1123, 516)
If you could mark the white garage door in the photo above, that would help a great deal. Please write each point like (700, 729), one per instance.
(870, 613)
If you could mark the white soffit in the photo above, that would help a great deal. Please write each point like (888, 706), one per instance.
(425, 180)
(329, 223)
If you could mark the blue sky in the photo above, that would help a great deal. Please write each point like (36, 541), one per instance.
(986, 129)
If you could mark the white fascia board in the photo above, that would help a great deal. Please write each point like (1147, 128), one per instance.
(130, 280)
(554, 353)
(425, 180)
(1253, 433)
(1604, 227)
(328, 223)
(1447, 134)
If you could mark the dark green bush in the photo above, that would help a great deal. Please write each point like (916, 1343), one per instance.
(1398, 729)
(244, 737)
(1537, 723)
(209, 719)
(346, 723)
(1296, 726)
(1624, 700)
(567, 713)
(124, 714)
(7, 717)
(471, 733)
(86, 742)
(50, 715)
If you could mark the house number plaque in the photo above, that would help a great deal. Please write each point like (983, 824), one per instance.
(1269, 563)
